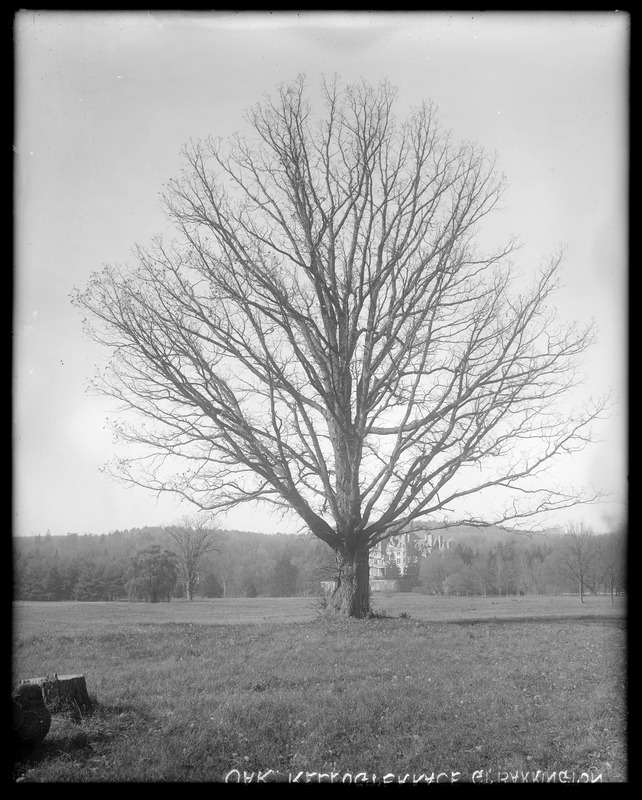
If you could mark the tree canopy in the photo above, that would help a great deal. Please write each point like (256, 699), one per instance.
(151, 575)
(325, 335)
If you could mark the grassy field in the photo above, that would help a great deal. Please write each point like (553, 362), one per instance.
(525, 689)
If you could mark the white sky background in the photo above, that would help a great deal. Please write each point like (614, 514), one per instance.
(106, 101)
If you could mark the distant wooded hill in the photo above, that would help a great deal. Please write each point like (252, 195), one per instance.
(480, 561)
(93, 567)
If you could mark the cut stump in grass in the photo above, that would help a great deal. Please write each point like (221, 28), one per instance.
(63, 693)
(31, 717)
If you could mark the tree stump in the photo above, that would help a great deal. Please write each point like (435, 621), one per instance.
(63, 693)
(31, 717)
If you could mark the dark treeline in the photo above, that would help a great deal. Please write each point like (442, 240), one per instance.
(577, 562)
(244, 564)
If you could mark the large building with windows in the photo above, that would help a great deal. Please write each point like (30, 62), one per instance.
(400, 556)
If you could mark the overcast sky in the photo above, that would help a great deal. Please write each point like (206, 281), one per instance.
(105, 102)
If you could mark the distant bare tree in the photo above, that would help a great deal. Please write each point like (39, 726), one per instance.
(324, 336)
(580, 549)
(612, 560)
(191, 540)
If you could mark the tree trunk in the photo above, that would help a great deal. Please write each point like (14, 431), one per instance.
(581, 591)
(351, 596)
(63, 693)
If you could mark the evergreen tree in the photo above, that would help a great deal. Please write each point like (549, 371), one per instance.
(54, 586)
(251, 590)
(209, 586)
(90, 584)
(284, 578)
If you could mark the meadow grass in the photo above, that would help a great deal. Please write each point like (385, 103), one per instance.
(265, 687)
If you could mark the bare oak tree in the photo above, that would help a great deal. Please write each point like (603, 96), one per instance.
(191, 539)
(323, 334)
